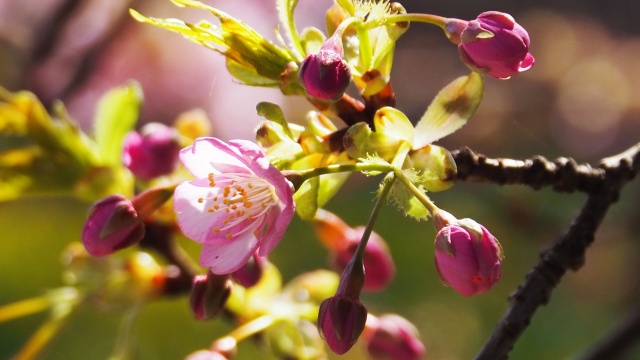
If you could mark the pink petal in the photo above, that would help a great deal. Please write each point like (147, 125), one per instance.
(227, 256)
(193, 218)
(279, 220)
(211, 155)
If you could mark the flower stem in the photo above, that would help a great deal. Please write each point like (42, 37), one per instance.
(420, 195)
(382, 196)
(252, 327)
(439, 21)
(338, 168)
(24, 307)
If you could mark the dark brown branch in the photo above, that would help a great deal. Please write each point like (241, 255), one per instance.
(619, 341)
(567, 252)
(562, 174)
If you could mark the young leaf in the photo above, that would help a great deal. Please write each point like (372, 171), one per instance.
(116, 115)
(285, 15)
(306, 198)
(407, 202)
(450, 110)
(273, 112)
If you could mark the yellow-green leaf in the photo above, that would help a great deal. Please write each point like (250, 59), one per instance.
(450, 110)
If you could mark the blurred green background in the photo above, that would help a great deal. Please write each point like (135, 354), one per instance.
(580, 100)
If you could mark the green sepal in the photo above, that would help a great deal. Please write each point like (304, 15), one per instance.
(116, 115)
(450, 110)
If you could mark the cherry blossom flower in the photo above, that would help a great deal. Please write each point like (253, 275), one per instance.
(238, 203)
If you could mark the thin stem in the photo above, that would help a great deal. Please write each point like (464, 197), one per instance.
(24, 307)
(439, 21)
(252, 327)
(382, 197)
(421, 196)
(338, 168)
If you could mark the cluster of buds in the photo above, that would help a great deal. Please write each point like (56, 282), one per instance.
(243, 195)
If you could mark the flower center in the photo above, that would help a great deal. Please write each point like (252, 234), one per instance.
(238, 197)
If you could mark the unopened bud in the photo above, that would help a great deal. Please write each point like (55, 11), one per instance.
(468, 258)
(341, 320)
(113, 224)
(326, 75)
(251, 272)
(152, 152)
(209, 295)
(392, 337)
(343, 241)
(494, 44)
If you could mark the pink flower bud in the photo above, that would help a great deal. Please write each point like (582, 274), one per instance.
(392, 337)
(468, 258)
(343, 241)
(152, 152)
(494, 44)
(341, 320)
(249, 274)
(326, 75)
(378, 263)
(209, 295)
(113, 224)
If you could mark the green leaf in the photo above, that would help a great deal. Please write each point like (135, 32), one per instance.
(306, 199)
(116, 115)
(285, 15)
(273, 112)
(394, 124)
(450, 110)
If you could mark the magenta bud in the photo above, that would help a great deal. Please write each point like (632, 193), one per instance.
(341, 320)
(209, 295)
(342, 241)
(251, 272)
(112, 224)
(378, 263)
(392, 337)
(326, 75)
(468, 258)
(152, 152)
(494, 44)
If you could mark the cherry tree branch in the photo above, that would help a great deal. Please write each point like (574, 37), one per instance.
(568, 251)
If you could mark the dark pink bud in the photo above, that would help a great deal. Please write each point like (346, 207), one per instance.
(209, 295)
(326, 75)
(152, 152)
(378, 263)
(495, 44)
(392, 337)
(342, 241)
(468, 258)
(251, 272)
(341, 320)
(113, 224)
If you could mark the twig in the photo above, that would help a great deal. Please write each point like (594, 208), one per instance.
(619, 341)
(563, 174)
(567, 252)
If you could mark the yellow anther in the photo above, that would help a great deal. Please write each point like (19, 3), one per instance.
(200, 200)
